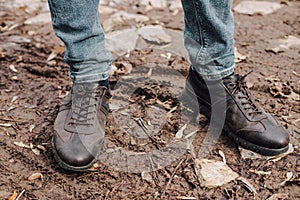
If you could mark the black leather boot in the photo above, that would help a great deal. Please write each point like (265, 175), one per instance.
(80, 126)
(245, 121)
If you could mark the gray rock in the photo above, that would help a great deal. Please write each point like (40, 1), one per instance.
(121, 42)
(42, 18)
(30, 5)
(213, 173)
(154, 34)
(257, 7)
(106, 10)
(282, 45)
(175, 5)
(121, 18)
(177, 44)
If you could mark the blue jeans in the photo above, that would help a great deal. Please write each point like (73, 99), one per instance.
(208, 36)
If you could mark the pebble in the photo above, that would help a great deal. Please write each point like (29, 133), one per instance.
(154, 34)
(30, 5)
(42, 18)
(175, 5)
(121, 18)
(257, 7)
(121, 41)
(282, 45)
(213, 173)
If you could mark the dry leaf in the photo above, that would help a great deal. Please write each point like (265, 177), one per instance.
(31, 127)
(221, 153)
(13, 196)
(149, 73)
(41, 147)
(147, 177)
(14, 78)
(21, 144)
(238, 56)
(179, 133)
(55, 52)
(248, 184)
(13, 68)
(14, 98)
(289, 176)
(278, 196)
(35, 176)
(163, 104)
(6, 125)
(296, 74)
(260, 172)
(36, 151)
(94, 167)
(186, 198)
(167, 56)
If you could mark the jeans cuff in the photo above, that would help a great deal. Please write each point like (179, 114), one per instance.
(211, 76)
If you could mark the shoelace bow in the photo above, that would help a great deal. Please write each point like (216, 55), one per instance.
(240, 87)
(81, 105)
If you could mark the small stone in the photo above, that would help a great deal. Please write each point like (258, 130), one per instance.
(147, 177)
(105, 10)
(14, 78)
(257, 7)
(281, 45)
(122, 18)
(175, 5)
(238, 56)
(213, 173)
(30, 5)
(278, 196)
(13, 68)
(121, 41)
(154, 34)
(35, 176)
(42, 18)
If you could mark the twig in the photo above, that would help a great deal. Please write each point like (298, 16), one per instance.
(172, 176)
(153, 170)
(20, 195)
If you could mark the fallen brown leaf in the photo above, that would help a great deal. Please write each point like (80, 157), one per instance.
(55, 52)
(13, 196)
(35, 176)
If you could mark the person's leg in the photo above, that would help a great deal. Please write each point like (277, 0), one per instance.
(80, 124)
(222, 95)
(209, 37)
(76, 23)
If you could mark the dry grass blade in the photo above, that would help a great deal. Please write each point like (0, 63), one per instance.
(55, 52)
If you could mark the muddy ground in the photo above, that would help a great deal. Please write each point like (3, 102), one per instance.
(32, 89)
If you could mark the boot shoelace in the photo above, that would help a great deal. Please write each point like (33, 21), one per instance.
(241, 89)
(84, 107)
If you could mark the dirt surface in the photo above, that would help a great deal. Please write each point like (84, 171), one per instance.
(32, 89)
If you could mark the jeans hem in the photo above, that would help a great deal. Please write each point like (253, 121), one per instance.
(215, 76)
(90, 78)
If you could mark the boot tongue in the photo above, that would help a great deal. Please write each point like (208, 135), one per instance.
(236, 86)
(231, 82)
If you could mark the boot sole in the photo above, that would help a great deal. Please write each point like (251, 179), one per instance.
(205, 110)
(253, 147)
(68, 167)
